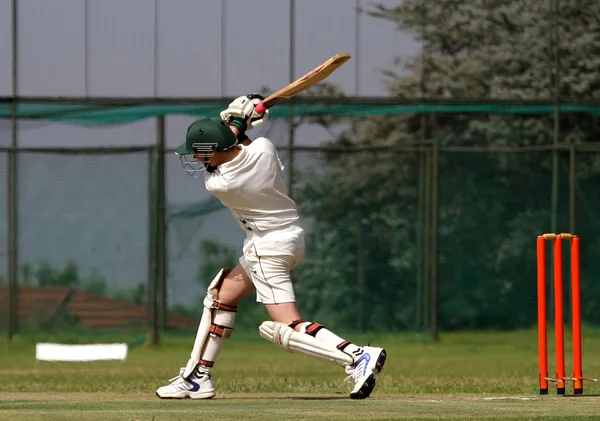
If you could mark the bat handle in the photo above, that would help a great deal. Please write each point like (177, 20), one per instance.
(260, 108)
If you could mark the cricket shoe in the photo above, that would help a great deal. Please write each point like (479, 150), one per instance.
(197, 386)
(366, 366)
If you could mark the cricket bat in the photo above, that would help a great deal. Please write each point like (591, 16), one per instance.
(302, 84)
(305, 82)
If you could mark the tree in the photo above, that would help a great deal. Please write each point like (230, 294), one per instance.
(491, 205)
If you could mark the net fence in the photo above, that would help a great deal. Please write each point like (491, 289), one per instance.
(82, 240)
(360, 210)
(3, 210)
(587, 225)
(421, 207)
(420, 221)
(439, 227)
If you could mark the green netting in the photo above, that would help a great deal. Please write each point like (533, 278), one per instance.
(3, 211)
(364, 206)
(361, 215)
(365, 211)
(491, 207)
(83, 225)
(107, 114)
(587, 226)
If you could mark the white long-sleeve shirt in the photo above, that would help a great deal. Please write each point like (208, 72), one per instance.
(252, 187)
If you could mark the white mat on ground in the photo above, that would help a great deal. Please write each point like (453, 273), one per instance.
(88, 352)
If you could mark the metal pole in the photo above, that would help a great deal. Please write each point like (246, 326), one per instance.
(572, 181)
(420, 259)
(152, 246)
(426, 240)
(160, 290)
(571, 223)
(360, 276)
(556, 131)
(12, 199)
(356, 48)
(434, 238)
(423, 209)
(161, 246)
(86, 45)
(290, 163)
(556, 127)
(223, 55)
(156, 48)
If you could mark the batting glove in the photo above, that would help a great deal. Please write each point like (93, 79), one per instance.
(244, 109)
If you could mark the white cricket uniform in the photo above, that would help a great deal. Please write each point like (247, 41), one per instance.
(251, 186)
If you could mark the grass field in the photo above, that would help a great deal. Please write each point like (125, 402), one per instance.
(487, 375)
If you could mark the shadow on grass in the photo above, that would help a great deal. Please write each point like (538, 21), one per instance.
(290, 398)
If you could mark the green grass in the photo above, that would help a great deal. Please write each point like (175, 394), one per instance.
(486, 375)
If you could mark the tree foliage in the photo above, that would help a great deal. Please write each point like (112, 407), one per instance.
(363, 249)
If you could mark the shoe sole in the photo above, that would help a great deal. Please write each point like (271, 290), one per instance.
(369, 384)
(188, 396)
(380, 361)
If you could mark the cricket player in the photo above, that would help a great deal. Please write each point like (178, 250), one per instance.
(246, 176)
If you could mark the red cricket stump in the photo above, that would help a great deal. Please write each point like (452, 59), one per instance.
(542, 328)
(560, 378)
(559, 317)
(576, 317)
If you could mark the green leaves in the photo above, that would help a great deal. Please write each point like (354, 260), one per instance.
(365, 250)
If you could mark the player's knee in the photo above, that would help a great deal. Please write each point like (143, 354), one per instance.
(231, 294)
(235, 286)
(214, 288)
(223, 308)
(218, 295)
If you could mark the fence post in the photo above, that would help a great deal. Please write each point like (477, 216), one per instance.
(420, 254)
(12, 231)
(161, 243)
(291, 128)
(433, 242)
(360, 275)
(554, 36)
(12, 194)
(572, 181)
(426, 239)
(152, 320)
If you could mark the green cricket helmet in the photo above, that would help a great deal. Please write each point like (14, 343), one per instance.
(203, 138)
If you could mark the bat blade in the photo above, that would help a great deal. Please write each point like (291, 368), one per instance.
(305, 82)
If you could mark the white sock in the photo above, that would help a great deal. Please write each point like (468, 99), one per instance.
(327, 337)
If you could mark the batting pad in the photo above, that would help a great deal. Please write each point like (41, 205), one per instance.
(287, 338)
(80, 353)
